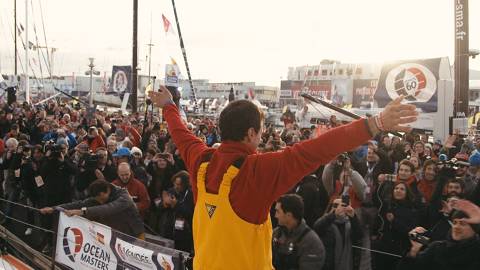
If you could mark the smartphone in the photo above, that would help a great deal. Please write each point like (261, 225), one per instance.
(346, 200)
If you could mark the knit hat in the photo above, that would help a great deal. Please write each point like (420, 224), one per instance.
(474, 159)
(136, 150)
(122, 152)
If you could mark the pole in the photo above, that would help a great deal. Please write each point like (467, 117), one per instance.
(15, 31)
(461, 58)
(91, 81)
(134, 56)
(149, 60)
(184, 52)
(27, 61)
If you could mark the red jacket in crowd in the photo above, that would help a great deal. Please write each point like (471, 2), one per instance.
(138, 192)
(95, 143)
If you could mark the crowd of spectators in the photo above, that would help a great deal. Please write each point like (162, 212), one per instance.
(378, 197)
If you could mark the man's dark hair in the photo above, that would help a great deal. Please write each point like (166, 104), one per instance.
(98, 186)
(457, 181)
(409, 164)
(292, 203)
(429, 162)
(237, 118)
(184, 176)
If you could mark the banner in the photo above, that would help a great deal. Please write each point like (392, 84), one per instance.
(82, 244)
(121, 79)
(363, 92)
(414, 79)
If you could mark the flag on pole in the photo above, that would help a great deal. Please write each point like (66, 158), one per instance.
(167, 26)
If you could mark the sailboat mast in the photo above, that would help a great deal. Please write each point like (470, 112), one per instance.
(184, 52)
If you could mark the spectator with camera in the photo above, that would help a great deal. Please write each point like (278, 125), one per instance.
(56, 172)
(405, 174)
(459, 251)
(294, 244)
(339, 178)
(161, 168)
(339, 229)
(16, 155)
(395, 221)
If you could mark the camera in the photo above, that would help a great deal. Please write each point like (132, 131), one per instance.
(342, 158)
(55, 149)
(90, 161)
(345, 200)
(420, 238)
(390, 177)
(452, 163)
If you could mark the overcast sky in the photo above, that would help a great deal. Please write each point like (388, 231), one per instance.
(248, 40)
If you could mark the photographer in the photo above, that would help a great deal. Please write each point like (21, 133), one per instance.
(459, 251)
(339, 178)
(87, 173)
(13, 162)
(56, 173)
(339, 229)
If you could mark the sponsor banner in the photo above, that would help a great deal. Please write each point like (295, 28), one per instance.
(171, 75)
(414, 79)
(121, 79)
(82, 244)
(363, 92)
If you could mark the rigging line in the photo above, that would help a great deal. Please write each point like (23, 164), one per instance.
(45, 37)
(29, 64)
(377, 251)
(13, 38)
(2, 25)
(19, 204)
(38, 47)
(47, 60)
(27, 224)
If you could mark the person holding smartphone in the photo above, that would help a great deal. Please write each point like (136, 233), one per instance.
(339, 229)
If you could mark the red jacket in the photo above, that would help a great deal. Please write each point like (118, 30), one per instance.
(426, 188)
(95, 143)
(263, 178)
(137, 138)
(138, 192)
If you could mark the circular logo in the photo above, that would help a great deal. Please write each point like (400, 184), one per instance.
(120, 81)
(69, 244)
(414, 81)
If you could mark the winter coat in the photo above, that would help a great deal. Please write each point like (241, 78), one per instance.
(119, 212)
(446, 255)
(300, 249)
